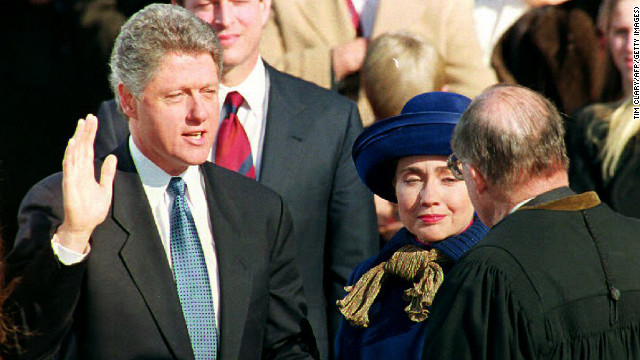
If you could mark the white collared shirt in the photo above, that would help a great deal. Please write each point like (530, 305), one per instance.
(253, 111)
(367, 10)
(155, 182)
(519, 205)
(492, 19)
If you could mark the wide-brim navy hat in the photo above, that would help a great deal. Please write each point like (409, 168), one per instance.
(424, 127)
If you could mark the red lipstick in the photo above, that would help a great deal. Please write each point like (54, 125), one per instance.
(431, 219)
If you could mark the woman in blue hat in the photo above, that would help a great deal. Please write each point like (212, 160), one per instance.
(404, 159)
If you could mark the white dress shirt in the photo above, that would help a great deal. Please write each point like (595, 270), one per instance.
(494, 17)
(252, 114)
(519, 205)
(367, 10)
(155, 182)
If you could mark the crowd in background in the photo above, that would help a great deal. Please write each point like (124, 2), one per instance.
(60, 48)
(58, 68)
(577, 53)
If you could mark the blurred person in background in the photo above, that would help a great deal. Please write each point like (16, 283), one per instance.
(325, 42)
(398, 66)
(554, 49)
(602, 139)
(105, 17)
(492, 18)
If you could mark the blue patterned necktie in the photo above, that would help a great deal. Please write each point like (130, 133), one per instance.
(191, 276)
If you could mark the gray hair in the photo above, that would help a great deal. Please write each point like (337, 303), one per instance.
(148, 36)
(511, 134)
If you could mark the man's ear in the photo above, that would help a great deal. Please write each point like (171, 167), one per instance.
(128, 102)
(266, 10)
(480, 182)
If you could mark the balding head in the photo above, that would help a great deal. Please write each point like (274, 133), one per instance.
(512, 135)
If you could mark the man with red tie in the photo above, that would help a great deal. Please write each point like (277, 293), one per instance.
(300, 138)
(233, 150)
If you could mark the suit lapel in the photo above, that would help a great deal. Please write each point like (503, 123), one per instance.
(391, 16)
(233, 251)
(329, 19)
(285, 131)
(144, 256)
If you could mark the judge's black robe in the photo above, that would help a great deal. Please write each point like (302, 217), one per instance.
(539, 287)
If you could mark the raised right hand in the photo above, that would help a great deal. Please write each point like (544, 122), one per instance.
(86, 202)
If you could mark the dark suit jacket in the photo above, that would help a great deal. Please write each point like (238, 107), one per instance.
(122, 303)
(307, 160)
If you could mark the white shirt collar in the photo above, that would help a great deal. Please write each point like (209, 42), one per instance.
(252, 89)
(154, 179)
(519, 205)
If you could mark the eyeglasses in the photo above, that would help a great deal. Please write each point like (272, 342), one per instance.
(455, 166)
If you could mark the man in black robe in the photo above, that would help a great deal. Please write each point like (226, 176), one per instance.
(557, 275)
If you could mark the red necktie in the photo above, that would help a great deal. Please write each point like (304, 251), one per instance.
(233, 150)
(355, 18)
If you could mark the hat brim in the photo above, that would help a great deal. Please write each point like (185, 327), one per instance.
(378, 148)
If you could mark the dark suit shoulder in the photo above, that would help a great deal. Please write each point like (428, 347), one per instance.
(113, 128)
(53, 181)
(41, 211)
(109, 108)
(239, 185)
(46, 196)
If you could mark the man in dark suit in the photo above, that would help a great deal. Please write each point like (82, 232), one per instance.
(166, 256)
(301, 138)
(557, 275)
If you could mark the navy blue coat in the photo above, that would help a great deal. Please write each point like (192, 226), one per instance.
(391, 334)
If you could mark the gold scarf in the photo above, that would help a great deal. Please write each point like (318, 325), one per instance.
(411, 263)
